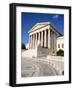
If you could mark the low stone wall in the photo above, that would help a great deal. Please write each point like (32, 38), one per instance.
(57, 62)
(55, 57)
(30, 53)
(37, 52)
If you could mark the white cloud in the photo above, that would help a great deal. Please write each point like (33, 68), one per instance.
(55, 16)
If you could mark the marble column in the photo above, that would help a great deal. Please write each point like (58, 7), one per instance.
(42, 38)
(39, 37)
(54, 41)
(36, 40)
(29, 41)
(33, 40)
(49, 38)
(45, 33)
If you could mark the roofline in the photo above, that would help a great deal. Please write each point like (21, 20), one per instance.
(44, 23)
(45, 26)
(39, 28)
(56, 30)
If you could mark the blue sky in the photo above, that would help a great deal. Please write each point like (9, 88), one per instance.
(28, 20)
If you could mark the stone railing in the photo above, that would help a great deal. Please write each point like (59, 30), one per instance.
(57, 62)
(55, 58)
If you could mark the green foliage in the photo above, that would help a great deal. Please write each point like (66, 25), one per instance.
(60, 53)
(23, 46)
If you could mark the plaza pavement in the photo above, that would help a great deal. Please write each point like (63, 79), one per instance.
(34, 67)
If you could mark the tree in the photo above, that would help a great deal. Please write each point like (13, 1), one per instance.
(60, 53)
(23, 46)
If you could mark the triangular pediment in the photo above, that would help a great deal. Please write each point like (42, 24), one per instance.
(39, 25)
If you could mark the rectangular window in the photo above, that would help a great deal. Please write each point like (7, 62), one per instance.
(62, 45)
(58, 45)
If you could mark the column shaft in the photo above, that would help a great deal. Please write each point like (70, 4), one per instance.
(45, 32)
(42, 38)
(31, 41)
(39, 38)
(49, 38)
(36, 40)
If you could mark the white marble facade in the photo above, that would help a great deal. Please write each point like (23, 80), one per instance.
(60, 43)
(44, 35)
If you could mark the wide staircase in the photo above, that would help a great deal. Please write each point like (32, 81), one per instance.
(43, 52)
(37, 52)
(29, 53)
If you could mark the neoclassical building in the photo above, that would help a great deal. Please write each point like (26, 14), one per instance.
(60, 43)
(45, 35)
